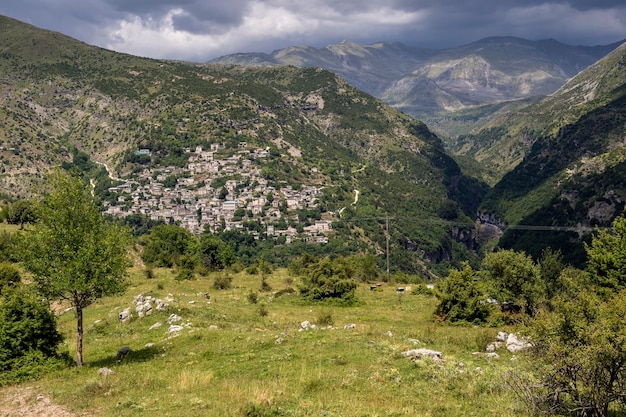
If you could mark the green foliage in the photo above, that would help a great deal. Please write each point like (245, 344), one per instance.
(223, 282)
(27, 329)
(581, 347)
(514, 279)
(9, 250)
(9, 275)
(551, 266)
(166, 244)
(21, 212)
(214, 253)
(607, 257)
(72, 252)
(461, 297)
(329, 280)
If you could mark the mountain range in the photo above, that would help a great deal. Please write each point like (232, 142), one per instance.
(441, 86)
(267, 149)
(169, 132)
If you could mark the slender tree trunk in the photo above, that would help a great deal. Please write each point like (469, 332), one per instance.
(79, 336)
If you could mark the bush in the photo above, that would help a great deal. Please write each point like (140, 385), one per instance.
(9, 275)
(325, 318)
(460, 297)
(253, 297)
(27, 327)
(328, 281)
(222, 282)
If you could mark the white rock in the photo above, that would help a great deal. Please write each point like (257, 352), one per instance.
(213, 327)
(105, 371)
(174, 328)
(305, 325)
(350, 326)
(420, 353)
(502, 336)
(156, 325)
(515, 344)
(125, 315)
(173, 318)
(149, 345)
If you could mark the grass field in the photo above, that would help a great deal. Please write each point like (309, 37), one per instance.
(235, 358)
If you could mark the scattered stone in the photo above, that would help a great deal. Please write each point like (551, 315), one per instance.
(160, 305)
(173, 318)
(492, 347)
(175, 328)
(305, 325)
(122, 352)
(350, 326)
(125, 315)
(415, 342)
(415, 354)
(149, 345)
(156, 325)
(279, 341)
(105, 371)
(492, 355)
(213, 327)
(192, 302)
(502, 336)
(389, 333)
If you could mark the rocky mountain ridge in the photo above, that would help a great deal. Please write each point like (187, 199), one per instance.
(431, 84)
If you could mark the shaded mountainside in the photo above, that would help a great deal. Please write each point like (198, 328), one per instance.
(439, 85)
(574, 174)
(64, 102)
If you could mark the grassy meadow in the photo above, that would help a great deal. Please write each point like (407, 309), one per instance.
(237, 358)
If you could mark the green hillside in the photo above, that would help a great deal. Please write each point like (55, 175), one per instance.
(573, 173)
(284, 129)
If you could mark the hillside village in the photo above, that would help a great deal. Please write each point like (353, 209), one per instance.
(212, 193)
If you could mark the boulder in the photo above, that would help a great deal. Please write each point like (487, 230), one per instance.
(502, 336)
(155, 326)
(515, 344)
(125, 315)
(174, 328)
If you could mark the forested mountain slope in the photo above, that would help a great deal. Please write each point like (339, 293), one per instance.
(65, 102)
(574, 174)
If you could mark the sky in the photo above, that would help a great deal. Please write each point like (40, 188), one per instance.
(199, 30)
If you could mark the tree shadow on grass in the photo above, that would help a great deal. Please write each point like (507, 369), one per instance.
(133, 356)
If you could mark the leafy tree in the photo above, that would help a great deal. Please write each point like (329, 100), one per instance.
(214, 253)
(72, 252)
(515, 279)
(166, 244)
(461, 297)
(21, 212)
(607, 257)
(580, 351)
(580, 346)
(550, 266)
(328, 280)
(26, 325)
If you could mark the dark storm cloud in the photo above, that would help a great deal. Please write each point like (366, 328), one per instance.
(201, 29)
